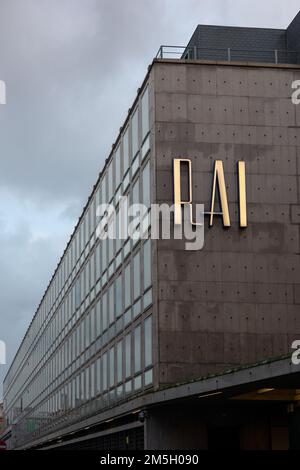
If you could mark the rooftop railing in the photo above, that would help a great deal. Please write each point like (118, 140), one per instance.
(274, 56)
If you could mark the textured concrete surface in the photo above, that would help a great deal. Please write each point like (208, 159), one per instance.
(238, 300)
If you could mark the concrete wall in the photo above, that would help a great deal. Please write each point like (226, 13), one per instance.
(238, 300)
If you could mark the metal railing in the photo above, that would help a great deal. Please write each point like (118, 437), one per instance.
(274, 56)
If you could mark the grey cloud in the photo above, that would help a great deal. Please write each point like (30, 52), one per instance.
(24, 272)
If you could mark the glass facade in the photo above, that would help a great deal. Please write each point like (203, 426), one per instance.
(89, 344)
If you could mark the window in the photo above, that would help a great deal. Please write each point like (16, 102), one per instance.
(93, 215)
(128, 355)
(77, 399)
(148, 341)
(118, 231)
(147, 299)
(82, 239)
(78, 344)
(111, 367)
(97, 201)
(125, 151)
(137, 349)
(104, 371)
(104, 312)
(119, 362)
(77, 245)
(135, 133)
(110, 242)
(127, 286)
(146, 185)
(145, 113)
(82, 381)
(118, 293)
(136, 276)
(118, 166)
(82, 284)
(147, 264)
(87, 225)
(135, 165)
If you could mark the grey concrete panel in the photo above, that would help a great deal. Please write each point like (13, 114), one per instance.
(236, 301)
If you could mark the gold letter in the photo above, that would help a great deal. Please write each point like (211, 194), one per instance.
(242, 194)
(220, 179)
(177, 187)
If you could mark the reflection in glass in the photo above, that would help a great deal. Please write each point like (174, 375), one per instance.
(118, 166)
(119, 362)
(110, 181)
(104, 371)
(146, 185)
(148, 341)
(127, 286)
(111, 367)
(147, 264)
(128, 355)
(136, 193)
(125, 151)
(118, 284)
(111, 304)
(104, 312)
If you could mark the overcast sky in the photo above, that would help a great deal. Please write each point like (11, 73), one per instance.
(72, 68)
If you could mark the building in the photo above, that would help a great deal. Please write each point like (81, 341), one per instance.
(143, 344)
